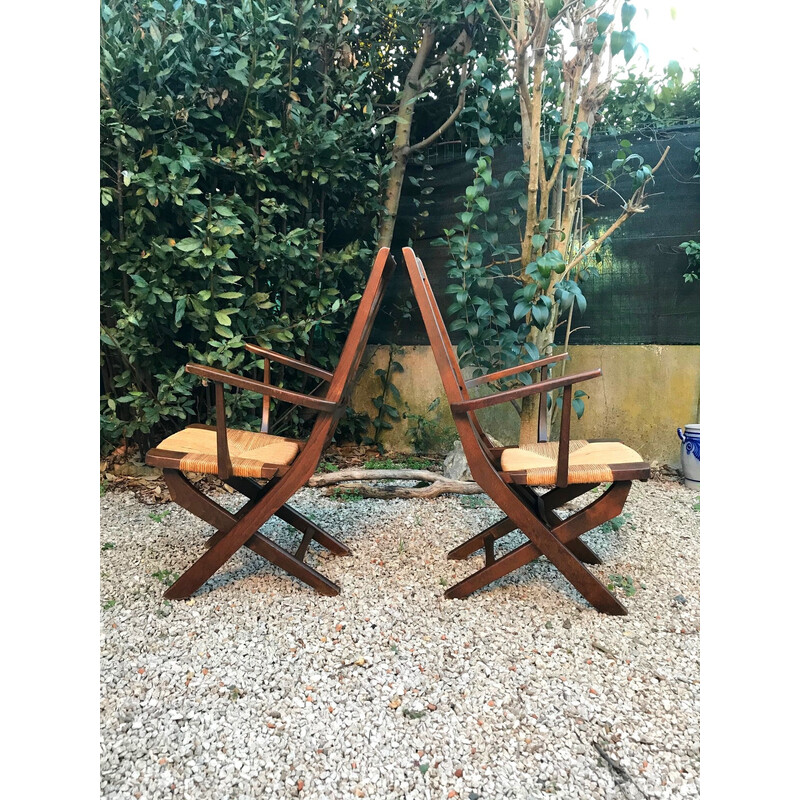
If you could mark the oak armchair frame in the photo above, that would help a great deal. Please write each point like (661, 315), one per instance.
(235, 530)
(533, 514)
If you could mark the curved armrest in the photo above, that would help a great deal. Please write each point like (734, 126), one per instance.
(271, 355)
(523, 391)
(504, 373)
(221, 376)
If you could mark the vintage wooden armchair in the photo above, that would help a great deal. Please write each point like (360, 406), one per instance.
(238, 457)
(509, 474)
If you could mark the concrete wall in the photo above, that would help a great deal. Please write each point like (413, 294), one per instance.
(645, 393)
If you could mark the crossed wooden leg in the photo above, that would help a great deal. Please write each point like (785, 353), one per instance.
(551, 540)
(541, 505)
(241, 529)
(289, 515)
(546, 504)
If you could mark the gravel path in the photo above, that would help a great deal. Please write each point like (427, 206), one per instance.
(258, 687)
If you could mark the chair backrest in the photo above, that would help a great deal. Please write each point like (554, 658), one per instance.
(356, 342)
(445, 354)
(345, 373)
(443, 351)
(455, 388)
(419, 280)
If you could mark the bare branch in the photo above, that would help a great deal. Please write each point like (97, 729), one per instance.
(439, 484)
(409, 492)
(462, 43)
(503, 23)
(633, 206)
(448, 122)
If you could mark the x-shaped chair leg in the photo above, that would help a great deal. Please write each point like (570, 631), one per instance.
(289, 515)
(241, 529)
(606, 507)
(543, 507)
(579, 549)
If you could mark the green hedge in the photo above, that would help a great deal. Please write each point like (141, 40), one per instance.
(240, 179)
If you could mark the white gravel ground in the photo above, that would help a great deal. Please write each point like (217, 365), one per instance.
(258, 687)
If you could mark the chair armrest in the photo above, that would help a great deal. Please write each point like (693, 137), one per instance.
(504, 373)
(523, 391)
(271, 355)
(221, 376)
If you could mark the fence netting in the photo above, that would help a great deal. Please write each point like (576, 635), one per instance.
(640, 297)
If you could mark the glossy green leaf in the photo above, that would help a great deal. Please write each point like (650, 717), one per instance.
(189, 245)
(603, 21)
(628, 13)
(521, 309)
(629, 46)
(553, 7)
(674, 70)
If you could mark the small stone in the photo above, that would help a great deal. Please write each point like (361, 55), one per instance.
(455, 465)
(680, 599)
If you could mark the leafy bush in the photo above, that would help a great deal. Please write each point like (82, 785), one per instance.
(240, 180)
(652, 101)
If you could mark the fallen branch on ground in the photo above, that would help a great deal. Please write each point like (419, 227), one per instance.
(438, 483)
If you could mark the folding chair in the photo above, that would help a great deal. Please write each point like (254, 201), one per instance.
(509, 474)
(238, 457)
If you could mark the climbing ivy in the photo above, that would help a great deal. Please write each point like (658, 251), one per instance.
(530, 241)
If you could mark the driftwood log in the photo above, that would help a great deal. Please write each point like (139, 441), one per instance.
(438, 484)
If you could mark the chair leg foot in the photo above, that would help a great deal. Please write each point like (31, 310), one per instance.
(303, 524)
(294, 566)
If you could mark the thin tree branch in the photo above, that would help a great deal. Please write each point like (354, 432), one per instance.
(634, 206)
(503, 23)
(448, 122)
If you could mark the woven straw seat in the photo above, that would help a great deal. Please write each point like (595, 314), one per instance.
(588, 462)
(250, 452)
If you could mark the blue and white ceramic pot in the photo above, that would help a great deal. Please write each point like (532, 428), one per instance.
(690, 455)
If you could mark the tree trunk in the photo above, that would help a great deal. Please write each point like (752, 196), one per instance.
(393, 188)
(528, 421)
(416, 82)
(529, 410)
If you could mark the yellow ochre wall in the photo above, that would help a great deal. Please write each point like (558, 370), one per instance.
(644, 394)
